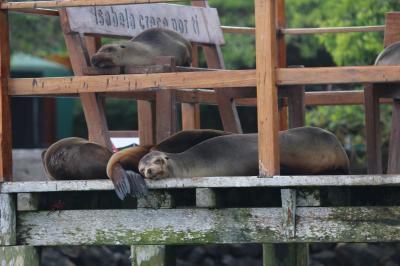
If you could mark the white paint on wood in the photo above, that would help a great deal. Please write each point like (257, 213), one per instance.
(206, 198)
(149, 255)
(209, 182)
(27, 201)
(200, 25)
(7, 220)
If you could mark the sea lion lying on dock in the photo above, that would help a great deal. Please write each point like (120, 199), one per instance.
(305, 150)
(143, 49)
(389, 56)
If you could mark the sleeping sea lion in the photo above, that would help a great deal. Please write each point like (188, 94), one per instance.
(389, 56)
(305, 150)
(75, 158)
(144, 48)
(123, 165)
(80, 159)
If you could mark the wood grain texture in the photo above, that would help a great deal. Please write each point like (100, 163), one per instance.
(71, 3)
(392, 32)
(267, 100)
(288, 197)
(166, 114)
(196, 24)
(190, 116)
(201, 226)
(147, 122)
(209, 182)
(5, 108)
(7, 220)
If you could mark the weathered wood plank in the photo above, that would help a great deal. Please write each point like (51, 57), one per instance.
(206, 198)
(150, 255)
(19, 256)
(194, 23)
(132, 82)
(5, 108)
(293, 254)
(288, 197)
(302, 31)
(190, 116)
(27, 201)
(156, 200)
(192, 226)
(66, 3)
(209, 182)
(7, 220)
(267, 95)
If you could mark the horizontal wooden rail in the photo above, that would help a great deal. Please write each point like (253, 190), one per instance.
(132, 82)
(69, 3)
(204, 226)
(212, 182)
(39, 11)
(206, 79)
(232, 29)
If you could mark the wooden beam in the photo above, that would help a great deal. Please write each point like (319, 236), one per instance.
(5, 108)
(7, 220)
(146, 122)
(267, 95)
(202, 226)
(302, 31)
(337, 75)
(67, 3)
(132, 82)
(190, 116)
(209, 182)
(39, 11)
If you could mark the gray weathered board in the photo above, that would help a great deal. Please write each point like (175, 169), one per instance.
(199, 25)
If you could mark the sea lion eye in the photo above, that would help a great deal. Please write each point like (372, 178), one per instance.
(166, 158)
(158, 161)
(122, 46)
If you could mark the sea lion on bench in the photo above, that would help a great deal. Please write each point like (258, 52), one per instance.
(76, 158)
(305, 150)
(143, 49)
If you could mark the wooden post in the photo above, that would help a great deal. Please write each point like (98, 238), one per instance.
(190, 116)
(394, 144)
(154, 255)
(146, 122)
(19, 256)
(267, 100)
(206, 198)
(166, 114)
(285, 254)
(5, 108)
(7, 220)
(27, 201)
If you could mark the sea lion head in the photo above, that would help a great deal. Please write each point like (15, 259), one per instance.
(126, 53)
(155, 165)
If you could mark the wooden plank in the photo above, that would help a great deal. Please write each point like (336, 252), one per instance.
(71, 3)
(203, 226)
(19, 256)
(337, 75)
(288, 197)
(392, 32)
(206, 198)
(267, 100)
(302, 31)
(278, 254)
(146, 122)
(194, 23)
(190, 116)
(27, 201)
(373, 135)
(5, 108)
(153, 255)
(7, 220)
(39, 11)
(166, 114)
(124, 134)
(394, 143)
(132, 82)
(210, 182)
(233, 29)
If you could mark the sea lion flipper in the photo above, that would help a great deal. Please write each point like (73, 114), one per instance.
(121, 183)
(137, 185)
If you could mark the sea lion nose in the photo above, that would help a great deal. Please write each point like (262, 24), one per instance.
(149, 172)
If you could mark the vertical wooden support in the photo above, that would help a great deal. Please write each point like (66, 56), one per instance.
(297, 111)
(19, 256)
(154, 255)
(7, 220)
(27, 201)
(79, 49)
(5, 108)
(166, 114)
(372, 125)
(285, 254)
(146, 122)
(394, 143)
(190, 116)
(267, 101)
(288, 197)
(206, 198)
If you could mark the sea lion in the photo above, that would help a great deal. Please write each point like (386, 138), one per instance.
(75, 158)
(305, 150)
(144, 48)
(389, 56)
(80, 159)
(122, 167)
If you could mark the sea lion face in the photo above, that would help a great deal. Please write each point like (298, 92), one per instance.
(154, 165)
(109, 55)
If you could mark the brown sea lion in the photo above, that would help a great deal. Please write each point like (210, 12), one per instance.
(75, 158)
(144, 48)
(123, 165)
(305, 150)
(78, 158)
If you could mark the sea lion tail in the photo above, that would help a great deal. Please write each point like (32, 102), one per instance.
(128, 183)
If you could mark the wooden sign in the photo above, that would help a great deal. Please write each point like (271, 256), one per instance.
(197, 24)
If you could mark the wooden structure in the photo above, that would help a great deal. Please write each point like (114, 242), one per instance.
(300, 218)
